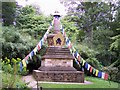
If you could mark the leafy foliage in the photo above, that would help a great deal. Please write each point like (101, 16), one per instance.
(16, 44)
(97, 38)
(11, 72)
(9, 82)
(13, 65)
(35, 25)
(8, 12)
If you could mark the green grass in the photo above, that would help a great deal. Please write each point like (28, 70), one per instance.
(97, 83)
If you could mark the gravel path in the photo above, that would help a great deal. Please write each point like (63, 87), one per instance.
(29, 79)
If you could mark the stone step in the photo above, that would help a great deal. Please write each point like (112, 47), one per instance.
(58, 57)
(58, 48)
(57, 53)
(62, 51)
(56, 68)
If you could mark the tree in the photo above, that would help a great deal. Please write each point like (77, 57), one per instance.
(32, 23)
(98, 22)
(89, 16)
(8, 12)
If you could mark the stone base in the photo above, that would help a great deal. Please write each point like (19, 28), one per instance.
(59, 76)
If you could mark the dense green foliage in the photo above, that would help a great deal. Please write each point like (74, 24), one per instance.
(12, 65)
(15, 43)
(93, 28)
(33, 24)
(8, 12)
(12, 81)
(18, 41)
(97, 37)
(11, 74)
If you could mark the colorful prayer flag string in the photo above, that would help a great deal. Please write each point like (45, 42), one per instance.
(36, 49)
(79, 59)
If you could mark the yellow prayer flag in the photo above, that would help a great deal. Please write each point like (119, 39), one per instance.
(73, 49)
(35, 50)
(96, 73)
(24, 63)
(83, 62)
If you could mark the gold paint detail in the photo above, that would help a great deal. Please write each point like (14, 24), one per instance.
(58, 39)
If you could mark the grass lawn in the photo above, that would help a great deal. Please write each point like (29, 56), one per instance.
(97, 83)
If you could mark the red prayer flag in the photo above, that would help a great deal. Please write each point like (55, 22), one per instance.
(26, 58)
(38, 47)
(91, 69)
(64, 34)
(70, 46)
(106, 76)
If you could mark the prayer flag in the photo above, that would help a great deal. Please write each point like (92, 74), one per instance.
(21, 67)
(65, 34)
(103, 75)
(99, 74)
(88, 67)
(35, 50)
(75, 54)
(42, 41)
(106, 76)
(30, 56)
(24, 63)
(77, 62)
(67, 41)
(32, 53)
(94, 70)
(26, 58)
(45, 37)
(83, 62)
(78, 58)
(91, 69)
(73, 49)
(69, 45)
(96, 73)
(82, 69)
(38, 47)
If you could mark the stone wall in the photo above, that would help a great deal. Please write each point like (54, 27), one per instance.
(57, 62)
(59, 76)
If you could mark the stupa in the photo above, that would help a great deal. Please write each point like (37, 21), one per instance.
(57, 63)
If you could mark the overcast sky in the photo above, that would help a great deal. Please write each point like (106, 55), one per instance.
(47, 6)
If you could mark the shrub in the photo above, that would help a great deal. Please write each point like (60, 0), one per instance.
(12, 81)
(13, 65)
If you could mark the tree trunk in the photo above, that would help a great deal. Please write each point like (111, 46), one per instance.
(89, 36)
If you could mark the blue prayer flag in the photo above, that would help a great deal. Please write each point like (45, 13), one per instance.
(86, 65)
(67, 41)
(21, 66)
(99, 74)
(75, 55)
(32, 53)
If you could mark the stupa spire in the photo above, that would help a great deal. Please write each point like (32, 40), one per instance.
(56, 23)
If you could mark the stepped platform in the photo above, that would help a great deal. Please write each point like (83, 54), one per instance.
(59, 76)
(57, 66)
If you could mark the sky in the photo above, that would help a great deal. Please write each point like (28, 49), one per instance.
(47, 6)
